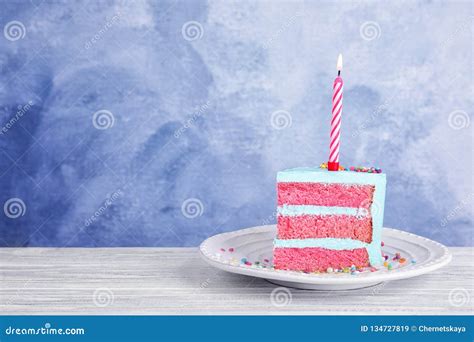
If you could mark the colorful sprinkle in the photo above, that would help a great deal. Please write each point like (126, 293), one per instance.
(385, 257)
(248, 263)
(402, 260)
(354, 168)
(243, 260)
(330, 270)
(382, 244)
(266, 260)
(413, 261)
(365, 169)
(231, 249)
(222, 250)
(385, 264)
(389, 266)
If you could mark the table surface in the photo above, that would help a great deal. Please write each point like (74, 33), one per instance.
(155, 281)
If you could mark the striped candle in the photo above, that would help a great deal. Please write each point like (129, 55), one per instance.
(333, 163)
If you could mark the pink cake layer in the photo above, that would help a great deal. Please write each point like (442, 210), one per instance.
(325, 194)
(325, 226)
(318, 259)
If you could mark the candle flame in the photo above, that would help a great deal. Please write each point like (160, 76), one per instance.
(339, 62)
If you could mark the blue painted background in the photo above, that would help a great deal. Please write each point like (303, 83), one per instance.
(161, 123)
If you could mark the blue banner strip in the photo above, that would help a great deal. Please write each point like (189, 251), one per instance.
(236, 328)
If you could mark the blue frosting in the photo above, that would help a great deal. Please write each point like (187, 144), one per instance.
(318, 175)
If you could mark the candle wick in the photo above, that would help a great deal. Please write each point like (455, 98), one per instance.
(339, 73)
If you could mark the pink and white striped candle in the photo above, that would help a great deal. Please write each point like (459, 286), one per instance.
(333, 163)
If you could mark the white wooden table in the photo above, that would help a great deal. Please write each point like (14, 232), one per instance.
(156, 281)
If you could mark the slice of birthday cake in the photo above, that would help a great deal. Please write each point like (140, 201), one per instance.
(329, 220)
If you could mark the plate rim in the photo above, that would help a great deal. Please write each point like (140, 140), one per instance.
(291, 276)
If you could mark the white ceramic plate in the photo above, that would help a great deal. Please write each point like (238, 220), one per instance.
(226, 251)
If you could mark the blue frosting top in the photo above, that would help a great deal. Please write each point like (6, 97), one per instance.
(316, 174)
